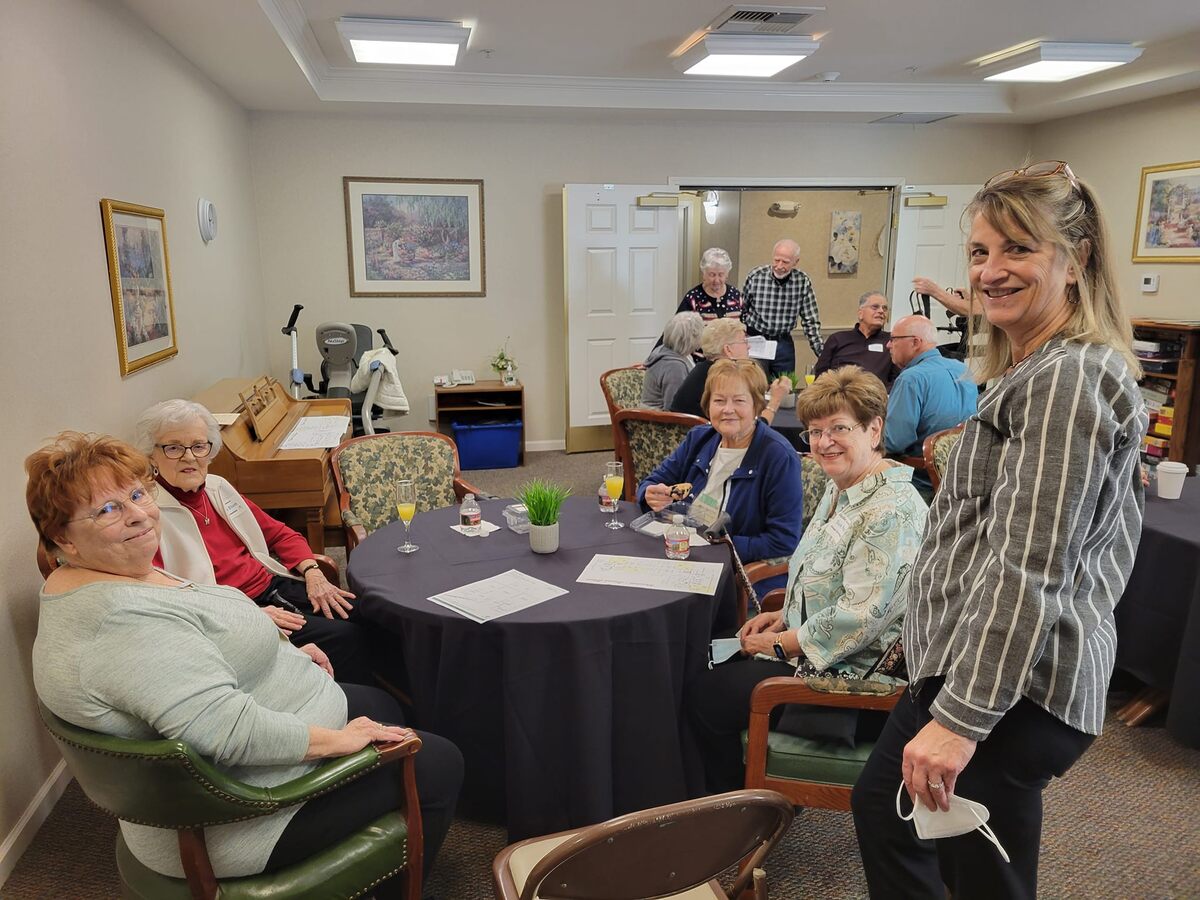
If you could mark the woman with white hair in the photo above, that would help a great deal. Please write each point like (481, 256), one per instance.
(211, 534)
(713, 298)
(668, 365)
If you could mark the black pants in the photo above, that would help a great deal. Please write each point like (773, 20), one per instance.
(343, 640)
(1007, 775)
(327, 819)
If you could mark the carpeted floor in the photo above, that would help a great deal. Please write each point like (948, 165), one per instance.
(1121, 824)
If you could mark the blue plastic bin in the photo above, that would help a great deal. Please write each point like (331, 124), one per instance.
(488, 445)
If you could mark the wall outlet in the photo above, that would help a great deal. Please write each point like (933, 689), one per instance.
(1149, 284)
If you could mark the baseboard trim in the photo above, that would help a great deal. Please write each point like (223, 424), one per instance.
(536, 446)
(31, 820)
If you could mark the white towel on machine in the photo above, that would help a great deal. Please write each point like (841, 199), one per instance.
(391, 392)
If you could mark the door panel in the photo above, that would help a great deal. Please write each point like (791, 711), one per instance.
(929, 242)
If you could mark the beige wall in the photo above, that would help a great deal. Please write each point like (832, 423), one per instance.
(92, 105)
(299, 162)
(1108, 150)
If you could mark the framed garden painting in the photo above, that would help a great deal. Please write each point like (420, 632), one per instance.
(415, 237)
(139, 279)
(1168, 224)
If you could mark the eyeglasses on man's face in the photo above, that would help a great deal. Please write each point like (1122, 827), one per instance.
(837, 432)
(901, 337)
(113, 511)
(200, 449)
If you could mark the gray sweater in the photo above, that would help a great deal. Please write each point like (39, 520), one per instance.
(665, 372)
(194, 663)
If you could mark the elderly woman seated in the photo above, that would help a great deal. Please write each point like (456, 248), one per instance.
(736, 465)
(129, 650)
(847, 580)
(721, 339)
(669, 364)
(211, 534)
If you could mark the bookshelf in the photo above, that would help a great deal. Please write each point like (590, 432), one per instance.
(1170, 351)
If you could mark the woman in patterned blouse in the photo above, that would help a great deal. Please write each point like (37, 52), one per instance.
(847, 580)
(713, 298)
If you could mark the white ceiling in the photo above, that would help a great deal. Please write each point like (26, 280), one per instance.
(568, 55)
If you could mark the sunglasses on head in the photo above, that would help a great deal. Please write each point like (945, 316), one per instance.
(1044, 169)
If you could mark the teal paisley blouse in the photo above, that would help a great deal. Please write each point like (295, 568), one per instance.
(848, 579)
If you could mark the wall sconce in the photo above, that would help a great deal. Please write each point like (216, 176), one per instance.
(711, 201)
(784, 209)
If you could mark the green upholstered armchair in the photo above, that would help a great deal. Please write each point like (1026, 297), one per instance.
(936, 451)
(165, 784)
(366, 469)
(813, 482)
(676, 851)
(622, 388)
(645, 437)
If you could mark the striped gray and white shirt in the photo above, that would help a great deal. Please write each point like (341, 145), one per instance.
(1030, 542)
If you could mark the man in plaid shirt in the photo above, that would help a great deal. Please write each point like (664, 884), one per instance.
(774, 296)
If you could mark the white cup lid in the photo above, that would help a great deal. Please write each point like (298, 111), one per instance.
(1170, 466)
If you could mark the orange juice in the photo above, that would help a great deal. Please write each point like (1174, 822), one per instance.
(406, 511)
(614, 484)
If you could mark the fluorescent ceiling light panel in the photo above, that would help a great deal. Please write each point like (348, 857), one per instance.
(403, 42)
(1048, 61)
(744, 56)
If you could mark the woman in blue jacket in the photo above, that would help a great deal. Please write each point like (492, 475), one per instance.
(737, 465)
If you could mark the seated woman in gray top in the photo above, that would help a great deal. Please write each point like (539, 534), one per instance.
(128, 650)
(668, 365)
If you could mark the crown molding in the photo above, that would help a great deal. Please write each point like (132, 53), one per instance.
(386, 85)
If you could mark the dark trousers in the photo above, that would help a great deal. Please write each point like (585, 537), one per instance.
(1007, 775)
(785, 356)
(327, 819)
(343, 640)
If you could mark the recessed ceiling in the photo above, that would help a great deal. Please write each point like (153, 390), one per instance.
(916, 57)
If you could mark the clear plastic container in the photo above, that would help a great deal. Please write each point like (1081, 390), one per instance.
(676, 538)
(517, 517)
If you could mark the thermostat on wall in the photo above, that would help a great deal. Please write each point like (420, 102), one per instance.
(1149, 284)
(207, 214)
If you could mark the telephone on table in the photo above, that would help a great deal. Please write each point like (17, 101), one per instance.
(456, 377)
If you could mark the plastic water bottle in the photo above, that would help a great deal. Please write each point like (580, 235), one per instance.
(605, 501)
(677, 539)
(469, 515)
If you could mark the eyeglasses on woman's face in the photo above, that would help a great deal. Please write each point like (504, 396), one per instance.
(113, 511)
(199, 450)
(838, 432)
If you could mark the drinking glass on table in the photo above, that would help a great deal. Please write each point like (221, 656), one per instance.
(614, 483)
(406, 506)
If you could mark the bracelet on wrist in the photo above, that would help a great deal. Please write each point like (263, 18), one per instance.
(304, 572)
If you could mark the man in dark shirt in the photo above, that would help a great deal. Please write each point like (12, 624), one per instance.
(863, 345)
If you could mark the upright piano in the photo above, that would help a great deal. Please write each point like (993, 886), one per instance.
(299, 482)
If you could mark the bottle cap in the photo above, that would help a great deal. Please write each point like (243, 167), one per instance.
(677, 519)
(467, 497)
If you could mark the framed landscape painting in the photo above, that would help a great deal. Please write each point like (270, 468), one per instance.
(409, 237)
(1168, 224)
(139, 279)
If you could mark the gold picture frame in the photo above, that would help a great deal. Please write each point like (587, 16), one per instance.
(415, 237)
(139, 279)
(1168, 214)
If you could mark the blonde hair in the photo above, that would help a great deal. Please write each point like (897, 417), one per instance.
(1061, 211)
(847, 389)
(747, 371)
(717, 334)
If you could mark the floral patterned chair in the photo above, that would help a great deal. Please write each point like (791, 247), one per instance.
(813, 482)
(366, 469)
(622, 389)
(936, 450)
(645, 437)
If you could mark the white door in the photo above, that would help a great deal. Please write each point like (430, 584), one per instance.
(929, 242)
(622, 284)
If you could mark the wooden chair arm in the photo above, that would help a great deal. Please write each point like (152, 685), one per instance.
(766, 568)
(772, 692)
(773, 602)
(916, 462)
(462, 487)
(355, 535)
(328, 568)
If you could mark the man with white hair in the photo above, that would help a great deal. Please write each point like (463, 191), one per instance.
(864, 345)
(931, 393)
(775, 296)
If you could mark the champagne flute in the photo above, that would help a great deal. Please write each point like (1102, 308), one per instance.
(614, 484)
(406, 506)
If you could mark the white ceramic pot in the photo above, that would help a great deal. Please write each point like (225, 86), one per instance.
(543, 538)
(788, 401)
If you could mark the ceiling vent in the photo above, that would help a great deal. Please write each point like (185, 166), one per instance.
(742, 18)
(912, 119)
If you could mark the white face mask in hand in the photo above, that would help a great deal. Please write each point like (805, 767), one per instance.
(963, 816)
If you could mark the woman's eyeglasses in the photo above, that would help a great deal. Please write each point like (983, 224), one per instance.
(200, 449)
(1044, 169)
(112, 511)
(837, 432)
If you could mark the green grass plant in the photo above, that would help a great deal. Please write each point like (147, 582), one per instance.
(543, 500)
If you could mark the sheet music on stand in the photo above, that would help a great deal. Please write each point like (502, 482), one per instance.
(316, 433)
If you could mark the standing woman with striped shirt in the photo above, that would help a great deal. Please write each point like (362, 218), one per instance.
(1009, 633)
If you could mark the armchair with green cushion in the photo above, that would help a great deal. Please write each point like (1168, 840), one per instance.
(622, 388)
(366, 469)
(936, 451)
(165, 784)
(645, 437)
(813, 482)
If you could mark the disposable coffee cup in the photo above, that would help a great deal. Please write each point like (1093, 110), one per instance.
(1170, 479)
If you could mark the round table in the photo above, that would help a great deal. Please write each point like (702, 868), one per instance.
(569, 712)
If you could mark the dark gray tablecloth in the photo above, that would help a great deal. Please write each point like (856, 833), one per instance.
(1158, 618)
(569, 712)
(786, 423)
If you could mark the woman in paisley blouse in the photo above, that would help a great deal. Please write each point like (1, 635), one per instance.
(847, 580)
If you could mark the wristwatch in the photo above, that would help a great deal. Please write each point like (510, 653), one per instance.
(308, 569)
(778, 647)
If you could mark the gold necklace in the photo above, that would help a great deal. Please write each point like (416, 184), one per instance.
(203, 503)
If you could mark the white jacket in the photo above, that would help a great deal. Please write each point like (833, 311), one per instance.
(391, 392)
(183, 550)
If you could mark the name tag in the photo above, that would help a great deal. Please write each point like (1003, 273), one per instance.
(232, 507)
(875, 348)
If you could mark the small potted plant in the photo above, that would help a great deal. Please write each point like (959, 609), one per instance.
(543, 501)
(504, 365)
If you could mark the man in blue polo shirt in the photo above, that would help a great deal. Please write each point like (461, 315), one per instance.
(931, 393)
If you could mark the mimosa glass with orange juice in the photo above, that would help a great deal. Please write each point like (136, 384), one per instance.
(614, 483)
(406, 507)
